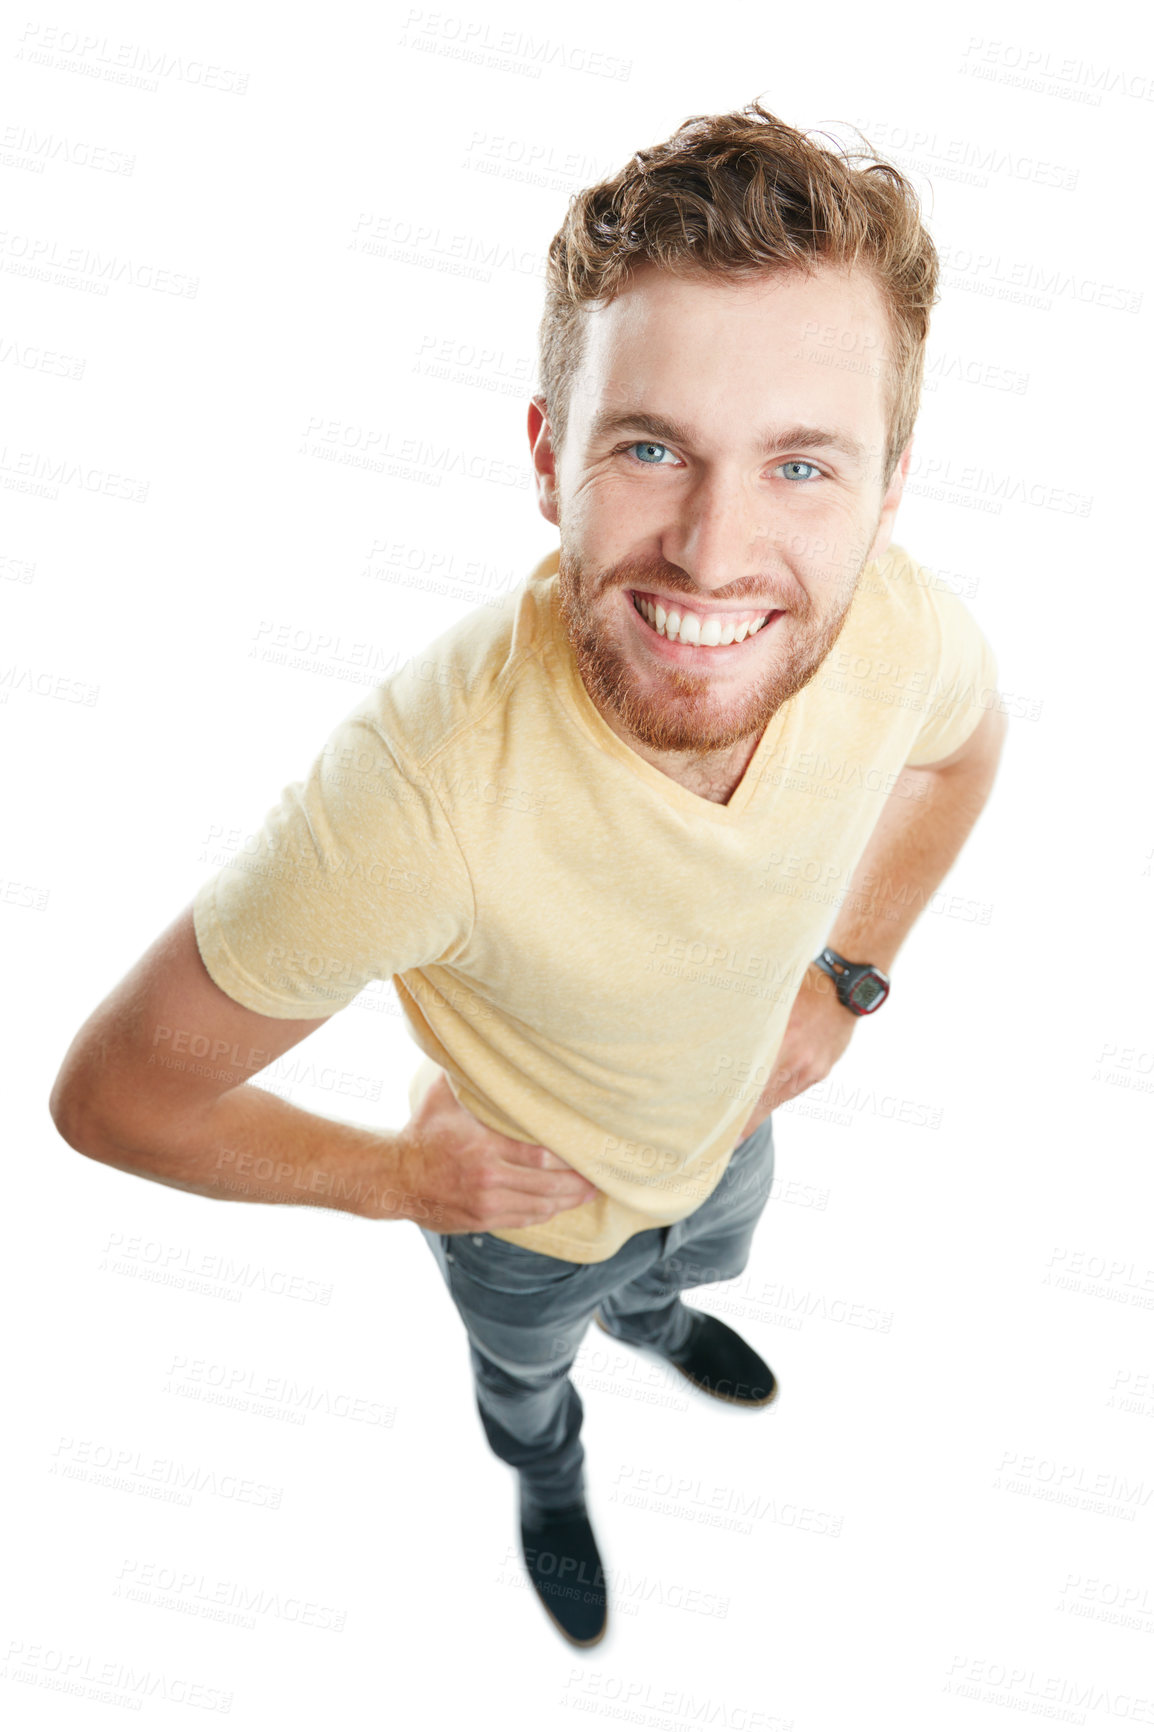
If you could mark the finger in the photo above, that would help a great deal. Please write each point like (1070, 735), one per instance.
(441, 1097)
(527, 1182)
(533, 1155)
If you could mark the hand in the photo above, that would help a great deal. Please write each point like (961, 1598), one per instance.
(466, 1178)
(816, 1035)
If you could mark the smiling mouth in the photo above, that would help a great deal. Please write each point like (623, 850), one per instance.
(700, 631)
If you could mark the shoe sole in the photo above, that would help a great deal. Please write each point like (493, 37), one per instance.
(733, 1400)
(573, 1641)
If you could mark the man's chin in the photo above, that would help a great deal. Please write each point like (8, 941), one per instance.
(678, 728)
(672, 709)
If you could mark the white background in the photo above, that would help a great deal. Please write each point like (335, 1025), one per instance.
(946, 1518)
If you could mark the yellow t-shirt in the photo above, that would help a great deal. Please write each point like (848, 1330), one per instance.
(601, 961)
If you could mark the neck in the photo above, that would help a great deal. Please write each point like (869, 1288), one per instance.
(713, 775)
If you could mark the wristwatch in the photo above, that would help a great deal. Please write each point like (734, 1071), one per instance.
(861, 987)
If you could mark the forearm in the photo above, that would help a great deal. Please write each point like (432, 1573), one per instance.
(249, 1146)
(924, 822)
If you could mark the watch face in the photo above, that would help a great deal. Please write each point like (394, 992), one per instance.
(867, 993)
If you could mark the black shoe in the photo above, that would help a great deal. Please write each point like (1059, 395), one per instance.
(565, 1568)
(717, 1360)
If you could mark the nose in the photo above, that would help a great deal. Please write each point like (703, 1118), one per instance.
(718, 536)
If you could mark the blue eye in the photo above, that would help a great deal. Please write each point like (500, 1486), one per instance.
(649, 452)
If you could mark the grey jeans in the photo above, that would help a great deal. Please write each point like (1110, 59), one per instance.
(526, 1314)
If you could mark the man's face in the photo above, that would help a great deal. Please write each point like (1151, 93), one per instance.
(722, 463)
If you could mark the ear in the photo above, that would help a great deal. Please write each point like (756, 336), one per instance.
(890, 504)
(544, 460)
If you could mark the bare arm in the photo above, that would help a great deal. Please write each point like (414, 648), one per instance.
(924, 822)
(155, 1083)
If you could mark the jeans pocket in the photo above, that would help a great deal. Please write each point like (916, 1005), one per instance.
(505, 1267)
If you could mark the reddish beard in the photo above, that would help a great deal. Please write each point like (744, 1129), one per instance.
(677, 709)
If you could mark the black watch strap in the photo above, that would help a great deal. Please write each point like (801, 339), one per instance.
(861, 987)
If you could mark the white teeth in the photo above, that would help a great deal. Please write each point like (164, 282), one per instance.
(688, 628)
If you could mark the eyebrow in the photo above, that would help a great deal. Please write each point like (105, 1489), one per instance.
(660, 427)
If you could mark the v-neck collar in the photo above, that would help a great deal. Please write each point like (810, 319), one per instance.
(571, 685)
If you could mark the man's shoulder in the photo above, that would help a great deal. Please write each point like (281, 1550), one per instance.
(894, 602)
(896, 579)
(444, 689)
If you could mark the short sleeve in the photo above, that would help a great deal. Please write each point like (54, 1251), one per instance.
(963, 682)
(355, 875)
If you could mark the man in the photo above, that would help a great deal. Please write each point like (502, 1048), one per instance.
(574, 830)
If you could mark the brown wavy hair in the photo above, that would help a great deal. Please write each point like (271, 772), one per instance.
(738, 195)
